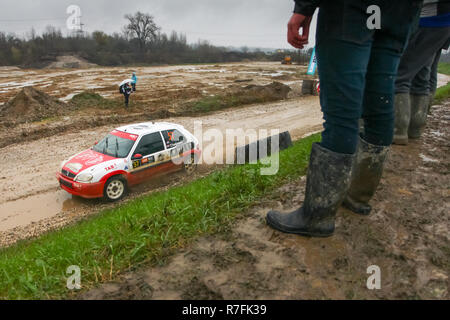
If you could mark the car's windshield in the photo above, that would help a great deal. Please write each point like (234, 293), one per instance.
(114, 146)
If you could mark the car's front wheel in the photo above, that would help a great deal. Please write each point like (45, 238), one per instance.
(115, 189)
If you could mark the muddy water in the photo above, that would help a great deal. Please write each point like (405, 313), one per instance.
(24, 211)
(28, 187)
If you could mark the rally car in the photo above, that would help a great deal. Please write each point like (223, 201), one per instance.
(128, 156)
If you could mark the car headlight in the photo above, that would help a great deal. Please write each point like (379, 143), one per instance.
(84, 177)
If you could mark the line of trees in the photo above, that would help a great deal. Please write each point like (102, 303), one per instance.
(141, 42)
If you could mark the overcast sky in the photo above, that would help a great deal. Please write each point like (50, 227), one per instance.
(252, 23)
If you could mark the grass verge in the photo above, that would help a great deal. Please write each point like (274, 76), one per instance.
(442, 93)
(89, 99)
(141, 231)
(444, 67)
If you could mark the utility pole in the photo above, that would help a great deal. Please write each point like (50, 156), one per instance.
(79, 30)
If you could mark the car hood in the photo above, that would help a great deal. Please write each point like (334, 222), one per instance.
(86, 160)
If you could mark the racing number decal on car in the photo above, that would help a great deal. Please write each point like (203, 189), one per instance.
(143, 162)
(170, 133)
(136, 164)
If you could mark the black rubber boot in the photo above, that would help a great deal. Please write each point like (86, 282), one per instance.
(366, 175)
(402, 118)
(419, 113)
(326, 186)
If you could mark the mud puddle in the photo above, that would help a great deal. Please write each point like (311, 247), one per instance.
(25, 211)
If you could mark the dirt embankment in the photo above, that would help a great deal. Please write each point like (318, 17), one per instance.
(70, 62)
(407, 236)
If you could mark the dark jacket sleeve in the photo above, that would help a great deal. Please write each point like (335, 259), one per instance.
(306, 7)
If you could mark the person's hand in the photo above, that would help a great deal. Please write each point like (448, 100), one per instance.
(297, 22)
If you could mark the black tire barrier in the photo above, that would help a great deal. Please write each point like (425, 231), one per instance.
(243, 153)
(309, 87)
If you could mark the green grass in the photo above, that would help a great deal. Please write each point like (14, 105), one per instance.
(141, 231)
(442, 93)
(444, 67)
(89, 99)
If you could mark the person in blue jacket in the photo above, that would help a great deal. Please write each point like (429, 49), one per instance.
(417, 76)
(358, 63)
(134, 81)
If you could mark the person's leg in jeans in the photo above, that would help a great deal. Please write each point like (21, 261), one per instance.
(342, 72)
(378, 108)
(413, 82)
(434, 79)
(378, 115)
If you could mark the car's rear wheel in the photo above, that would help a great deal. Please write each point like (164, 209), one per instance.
(115, 189)
(190, 166)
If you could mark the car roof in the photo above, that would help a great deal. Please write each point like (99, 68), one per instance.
(144, 128)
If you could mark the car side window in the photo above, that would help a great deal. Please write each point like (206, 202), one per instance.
(149, 144)
(173, 137)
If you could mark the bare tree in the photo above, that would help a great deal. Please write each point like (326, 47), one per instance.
(142, 27)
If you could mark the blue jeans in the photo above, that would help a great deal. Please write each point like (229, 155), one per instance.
(358, 68)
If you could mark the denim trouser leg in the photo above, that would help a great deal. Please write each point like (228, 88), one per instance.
(342, 72)
(417, 61)
(378, 106)
(357, 69)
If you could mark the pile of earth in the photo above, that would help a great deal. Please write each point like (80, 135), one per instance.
(271, 92)
(31, 105)
(70, 62)
(274, 91)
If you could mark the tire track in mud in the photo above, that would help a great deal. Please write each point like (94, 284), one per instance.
(32, 202)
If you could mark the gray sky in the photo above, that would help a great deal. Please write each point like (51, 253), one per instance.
(252, 23)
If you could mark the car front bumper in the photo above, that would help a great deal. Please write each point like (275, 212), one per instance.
(84, 190)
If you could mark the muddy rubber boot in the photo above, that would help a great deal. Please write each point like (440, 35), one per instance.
(419, 113)
(402, 118)
(366, 175)
(326, 186)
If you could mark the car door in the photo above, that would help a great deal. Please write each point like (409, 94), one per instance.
(154, 158)
(174, 141)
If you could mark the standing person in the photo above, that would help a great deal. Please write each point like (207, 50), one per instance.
(126, 90)
(134, 81)
(417, 75)
(357, 67)
(434, 76)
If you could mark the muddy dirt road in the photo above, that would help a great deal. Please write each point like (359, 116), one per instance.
(32, 203)
(407, 236)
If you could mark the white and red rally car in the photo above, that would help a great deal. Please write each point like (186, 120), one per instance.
(128, 156)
